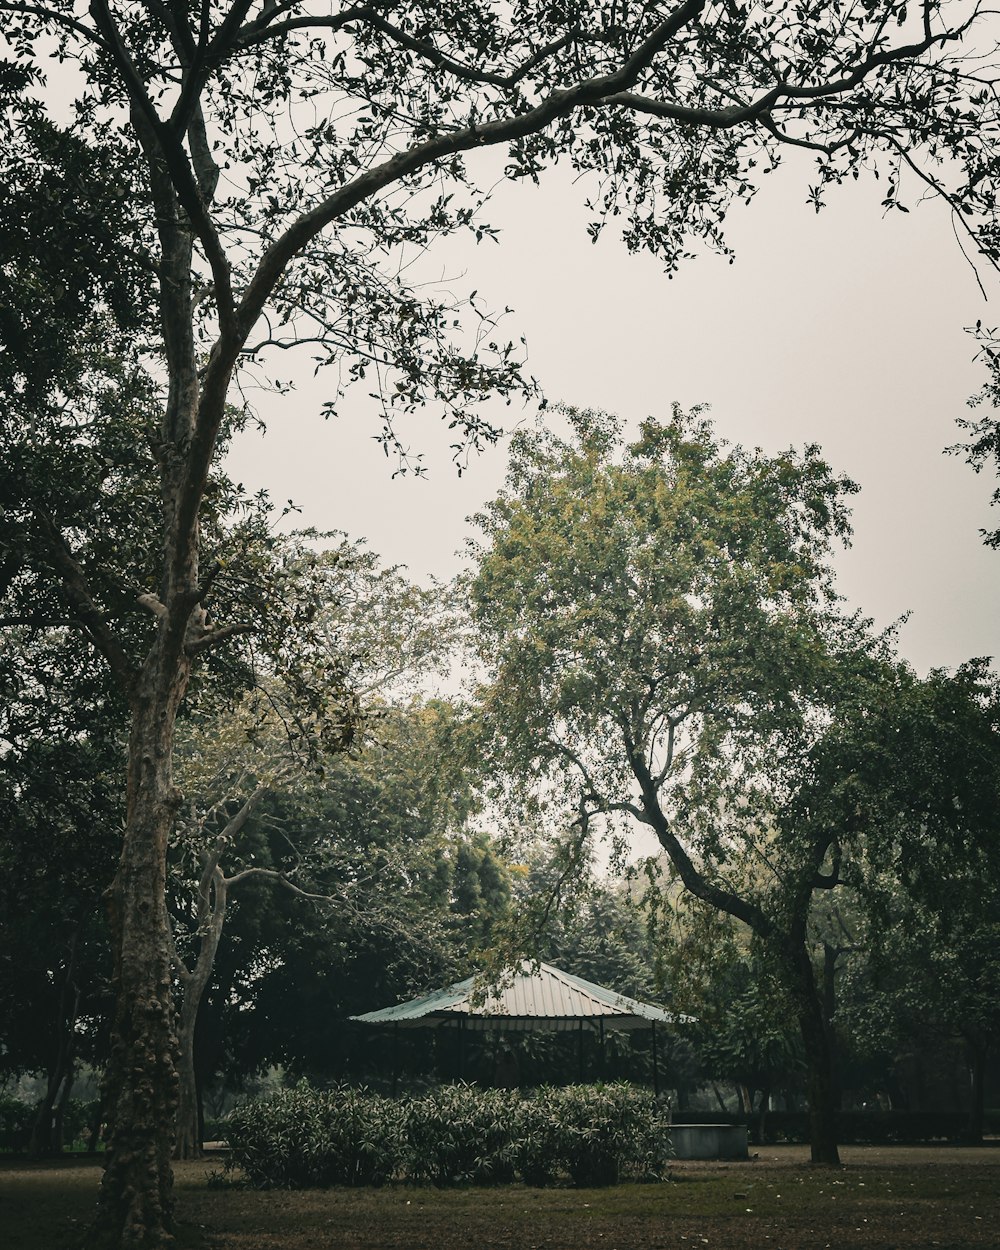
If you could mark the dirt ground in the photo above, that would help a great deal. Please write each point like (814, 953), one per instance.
(905, 1198)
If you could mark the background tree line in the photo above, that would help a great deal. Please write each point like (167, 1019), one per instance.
(830, 855)
(230, 181)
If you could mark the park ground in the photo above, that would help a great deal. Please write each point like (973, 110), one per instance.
(884, 1198)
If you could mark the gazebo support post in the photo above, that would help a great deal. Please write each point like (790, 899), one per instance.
(601, 1027)
(395, 1060)
(656, 1066)
(579, 1052)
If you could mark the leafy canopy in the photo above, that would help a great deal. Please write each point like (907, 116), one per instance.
(640, 594)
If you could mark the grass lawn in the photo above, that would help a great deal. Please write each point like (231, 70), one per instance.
(883, 1199)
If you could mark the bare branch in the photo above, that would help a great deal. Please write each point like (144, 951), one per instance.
(152, 604)
(213, 637)
(280, 878)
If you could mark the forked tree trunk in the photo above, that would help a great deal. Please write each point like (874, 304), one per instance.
(213, 893)
(140, 1088)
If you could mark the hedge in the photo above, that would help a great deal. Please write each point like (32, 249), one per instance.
(458, 1134)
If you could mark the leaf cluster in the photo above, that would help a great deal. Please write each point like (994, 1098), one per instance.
(452, 1135)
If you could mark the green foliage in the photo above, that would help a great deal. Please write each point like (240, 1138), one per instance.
(650, 609)
(302, 1137)
(599, 1133)
(406, 893)
(60, 807)
(456, 1134)
(16, 1117)
(744, 1028)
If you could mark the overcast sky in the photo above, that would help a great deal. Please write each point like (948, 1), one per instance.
(843, 328)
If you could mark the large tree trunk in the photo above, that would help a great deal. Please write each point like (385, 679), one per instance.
(140, 1087)
(819, 1059)
(187, 1142)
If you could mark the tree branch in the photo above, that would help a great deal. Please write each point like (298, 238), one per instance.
(212, 637)
(60, 19)
(184, 179)
(694, 880)
(559, 103)
(262, 30)
(92, 619)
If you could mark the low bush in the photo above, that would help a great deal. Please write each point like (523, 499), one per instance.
(606, 1132)
(459, 1134)
(453, 1135)
(302, 1138)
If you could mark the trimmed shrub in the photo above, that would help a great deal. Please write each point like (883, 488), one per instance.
(453, 1135)
(461, 1134)
(606, 1132)
(302, 1137)
(540, 1138)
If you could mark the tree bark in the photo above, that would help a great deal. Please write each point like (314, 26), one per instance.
(140, 1087)
(819, 1058)
(187, 1142)
(212, 913)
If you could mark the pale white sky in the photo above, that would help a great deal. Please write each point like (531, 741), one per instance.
(843, 328)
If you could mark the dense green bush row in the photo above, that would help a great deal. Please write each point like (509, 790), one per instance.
(593, 1134)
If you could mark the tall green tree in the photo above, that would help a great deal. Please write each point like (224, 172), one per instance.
(287, 157)
(926, 884)
(665, 649)
(659, 625)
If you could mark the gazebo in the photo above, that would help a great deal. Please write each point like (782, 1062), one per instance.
(538, 998)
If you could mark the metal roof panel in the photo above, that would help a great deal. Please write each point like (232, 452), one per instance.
(539, 996)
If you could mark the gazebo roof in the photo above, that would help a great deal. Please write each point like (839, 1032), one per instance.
(539, 997)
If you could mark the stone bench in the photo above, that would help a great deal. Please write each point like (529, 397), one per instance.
(709, 1141)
